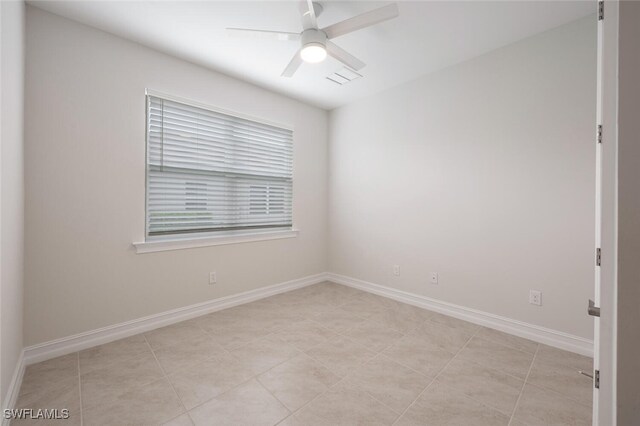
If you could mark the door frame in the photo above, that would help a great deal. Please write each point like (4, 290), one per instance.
(605, 349)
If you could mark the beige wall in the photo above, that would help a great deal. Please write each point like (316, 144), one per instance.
(12, 188)
(472, 178)
(628, 365)
(85, 181)
(482, 172)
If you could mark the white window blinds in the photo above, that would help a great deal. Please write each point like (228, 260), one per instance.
(209, 171)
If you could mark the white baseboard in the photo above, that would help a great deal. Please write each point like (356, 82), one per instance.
(533, 332)
(13, 391)
(66, 345)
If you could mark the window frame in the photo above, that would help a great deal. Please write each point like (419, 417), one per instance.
(208, 237)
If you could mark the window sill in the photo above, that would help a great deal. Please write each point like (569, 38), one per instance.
(187, 243)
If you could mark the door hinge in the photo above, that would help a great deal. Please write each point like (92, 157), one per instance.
(599, 133)
(596, 379)
(598, 256)
(600, 10)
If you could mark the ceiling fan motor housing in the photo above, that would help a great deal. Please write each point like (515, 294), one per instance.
(316, 44)
(312, 37)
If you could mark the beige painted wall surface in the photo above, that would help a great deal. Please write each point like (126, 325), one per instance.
(85, 179)
(12, 188)
(482, 172)
(628, 382)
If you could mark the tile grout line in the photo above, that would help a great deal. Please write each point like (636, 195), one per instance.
(226, 391)
(106, 367)
(523, 380)
(224, 349)
(257, 379)
(406, 333)
(272, 395)
(80, 389)
(255, 376)
(494, 369)
(515, 407)
(328, 367)
(166, 377)
(565, 396)
(436, 376)
(293, 413)
(342, 379)
(399, 363)
(559, 394)
(398, 414)
(479, 364)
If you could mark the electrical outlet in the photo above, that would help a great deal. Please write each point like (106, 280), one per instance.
(212, 278)
(535, 297)
(433, 278)
(396, 270)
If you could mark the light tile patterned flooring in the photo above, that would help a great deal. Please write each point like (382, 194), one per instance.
(322, 355)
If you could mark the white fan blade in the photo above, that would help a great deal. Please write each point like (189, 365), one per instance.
(293, 65)
(309, 19)
(367, 19)
(345, 57)
(274, 35)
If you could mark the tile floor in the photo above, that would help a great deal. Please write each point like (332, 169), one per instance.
(322, 355)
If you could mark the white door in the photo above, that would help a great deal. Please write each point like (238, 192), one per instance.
(605, 293)
(598, 238)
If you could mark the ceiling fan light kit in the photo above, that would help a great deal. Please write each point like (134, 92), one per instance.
(316, 43)
(313, 53)
(313, 46)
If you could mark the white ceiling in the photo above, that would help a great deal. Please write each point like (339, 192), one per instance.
(427, 36)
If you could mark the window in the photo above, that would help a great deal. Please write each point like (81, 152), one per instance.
(209, 171)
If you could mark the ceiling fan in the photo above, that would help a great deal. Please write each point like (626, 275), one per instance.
(315, 43)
